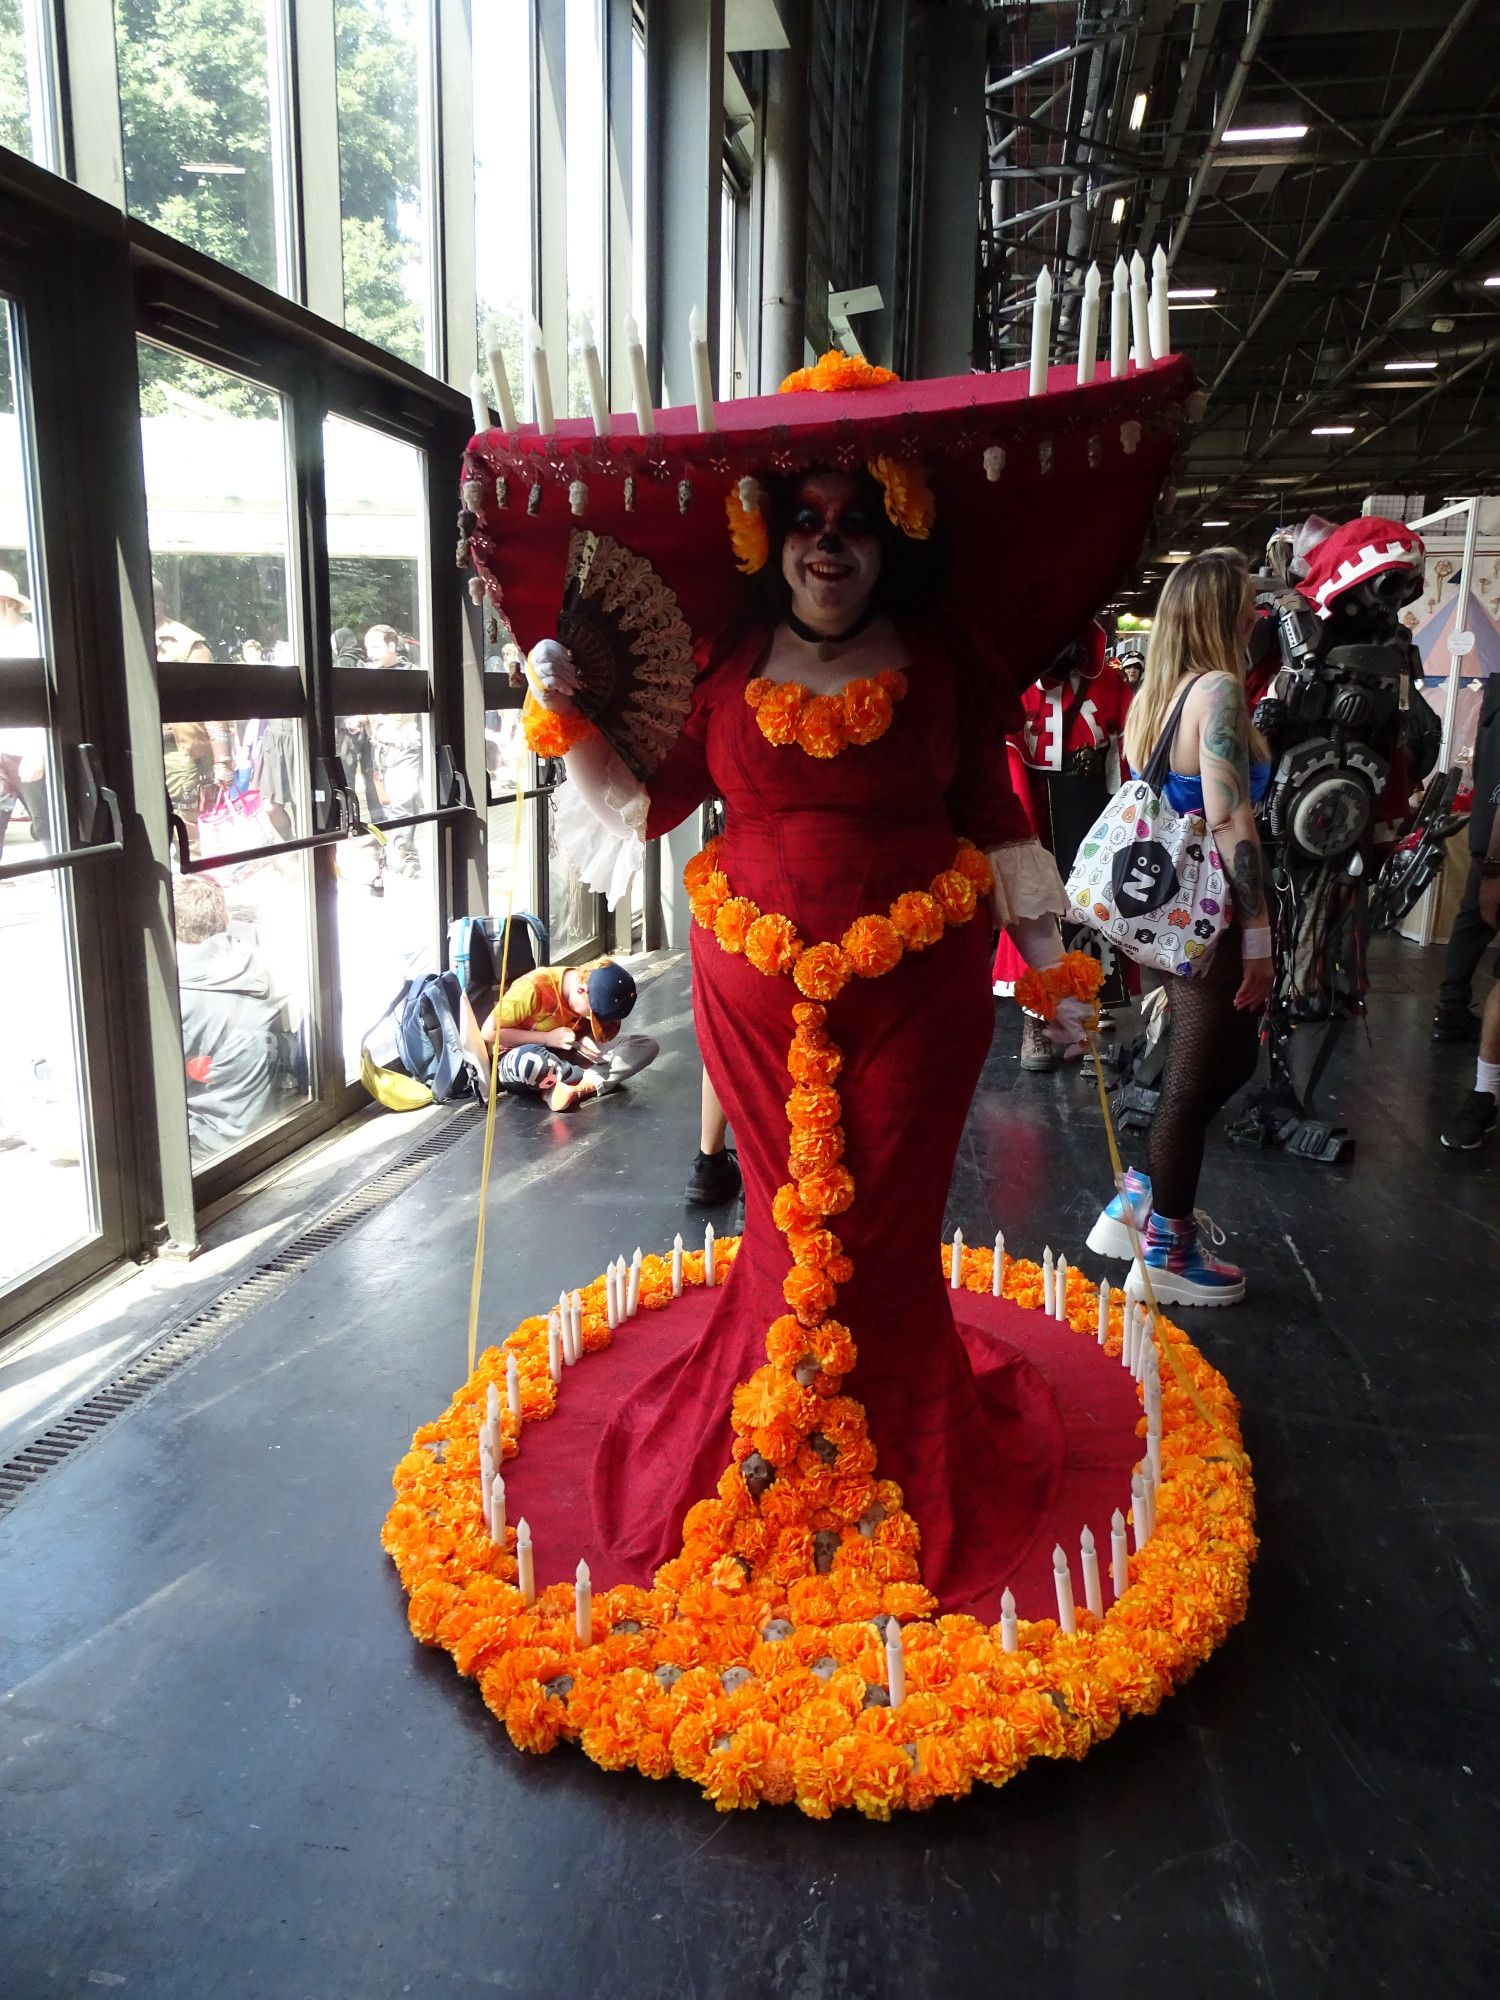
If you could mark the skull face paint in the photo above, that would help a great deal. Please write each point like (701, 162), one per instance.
(831, 555)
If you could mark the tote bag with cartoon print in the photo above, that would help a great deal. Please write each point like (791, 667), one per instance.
(1148, 878)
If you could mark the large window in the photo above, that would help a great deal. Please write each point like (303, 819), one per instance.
(500, 73)
(28, 122)
(385, 109)
(584, 140)
(203, 116)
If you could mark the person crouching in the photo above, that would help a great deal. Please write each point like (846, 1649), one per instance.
(556, 1033)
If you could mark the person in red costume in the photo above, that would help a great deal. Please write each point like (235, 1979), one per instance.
(1064, 764)
(855, 747)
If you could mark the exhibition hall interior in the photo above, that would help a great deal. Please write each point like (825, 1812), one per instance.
(750, 1023)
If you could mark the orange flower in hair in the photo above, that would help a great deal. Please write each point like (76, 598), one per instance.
(772, 944)
(872, 946)
(919, 919)
(908, 497)
(822, 972)
(748, 533)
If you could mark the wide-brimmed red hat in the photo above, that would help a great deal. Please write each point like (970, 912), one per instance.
(1043, 500)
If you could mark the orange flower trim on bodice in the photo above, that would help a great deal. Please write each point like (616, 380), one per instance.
(824, 724)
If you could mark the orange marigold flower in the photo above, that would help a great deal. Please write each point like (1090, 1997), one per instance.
(956, 895)
(882, 1773)
(772, 944)
(868, 711)
(872, 946)
(837, 371)
(703, 864)
(809, 1293)
(549, 734)
(806, 1061)
(732, 924)
(789, 1211)
(807, 1014)
(710, 899)
(1076, 976)
(822, 972)
(813, 1110)
(827, 1192)
(814, 1247)
(919, 919)
(535, 1720)
(748, 533)
(778, 707)
(909, 500)
(815, 1152)
(832, 1344)
(969, 861)
(820, 725)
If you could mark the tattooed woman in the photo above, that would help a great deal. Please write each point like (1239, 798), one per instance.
(1194, 685)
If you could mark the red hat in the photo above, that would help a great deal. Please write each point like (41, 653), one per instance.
(1349, 554)
(1043, 501)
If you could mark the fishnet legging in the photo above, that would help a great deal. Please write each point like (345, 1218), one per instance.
(1211, 1054)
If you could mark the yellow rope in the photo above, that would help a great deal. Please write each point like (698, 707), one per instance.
(477, 1278)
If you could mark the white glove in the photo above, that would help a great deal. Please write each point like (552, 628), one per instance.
(1068, 1027)
(553, 676)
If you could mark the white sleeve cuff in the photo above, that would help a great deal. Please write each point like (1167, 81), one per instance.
(1027, 883)
(606, 858)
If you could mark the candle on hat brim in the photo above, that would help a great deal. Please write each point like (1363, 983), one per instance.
(1088, 327)
(1041, 331)
(703, 381)
(1140, 313)
(1160, 307)
(479, 404)
(598, 396)
(503, 400)
(1119, 321)
(640, 385)
(541, 378)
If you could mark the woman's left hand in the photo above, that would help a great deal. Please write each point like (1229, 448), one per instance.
(1068, 1028)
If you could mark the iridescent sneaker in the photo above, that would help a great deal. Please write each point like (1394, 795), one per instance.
(1110, 1237)
(1182, 1272)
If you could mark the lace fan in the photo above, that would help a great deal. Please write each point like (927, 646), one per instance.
(631, 646)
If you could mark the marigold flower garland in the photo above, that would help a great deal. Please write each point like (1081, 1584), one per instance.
(754, 1664)
(550, 732)
(1076, 976)
(825, 724)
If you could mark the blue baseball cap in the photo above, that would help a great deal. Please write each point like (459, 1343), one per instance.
(611, 992)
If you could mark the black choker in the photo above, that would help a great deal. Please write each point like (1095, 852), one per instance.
(826, 641)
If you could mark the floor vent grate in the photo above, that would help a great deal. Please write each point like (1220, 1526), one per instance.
(184, 1343)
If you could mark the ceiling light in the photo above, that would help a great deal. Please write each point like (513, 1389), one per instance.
(1215, 524)
(1240, 135)
(1493, 284)
(1407, 367)
(1333, 430)
(211, 167)
(1197, 306)
(1117, 213)
(1138, 112)
(1193, 292)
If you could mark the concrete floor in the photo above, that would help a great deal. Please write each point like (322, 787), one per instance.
(226, 1770)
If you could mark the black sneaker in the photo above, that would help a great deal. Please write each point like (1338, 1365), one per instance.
(1473, 1121)
(715, 1180)
(1455, 1024)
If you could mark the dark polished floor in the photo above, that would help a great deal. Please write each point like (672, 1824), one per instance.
(225, 1769)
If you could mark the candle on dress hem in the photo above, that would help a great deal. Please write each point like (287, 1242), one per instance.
(1041, 331)
(554, 1347)
(479, 403)
(708, 1254)
(513, 1385)
(1138, 1511)
(1161, 311)
(486, 1475)
(640, 385)
(997, 1275)
(633, 1287)
(1127, 1338)
(1148, 1488)
(1153, 1448)
(1060, 1288)
(677, 1265)
(1119, 1558)
(504, 402)
(956, 1274)
(541, 378)
(1140, 317)
(583, 1604)
(1048, 1286)
(575, 1317)
(525, 1562)
(1088, 1559)
(1145, 1344)
(492, 1408)
(1119, 321)
(1088, 327)
(1007, 1622)
(895, 1663)
(611, 1296)
(598, 399)
(1062, 1582)
(703, 381)
(497, 1509)
(1103, 1310)
(565, 1327)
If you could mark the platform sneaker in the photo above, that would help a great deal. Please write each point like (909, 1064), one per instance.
(1110, 1235)
(1182, 1272)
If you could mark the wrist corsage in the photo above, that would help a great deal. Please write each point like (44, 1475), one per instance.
(1076, 976)
(549, 733)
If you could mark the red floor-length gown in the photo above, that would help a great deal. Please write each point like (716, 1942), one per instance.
(823, 841)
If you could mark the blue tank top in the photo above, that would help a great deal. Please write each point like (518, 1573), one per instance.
(1183, 791)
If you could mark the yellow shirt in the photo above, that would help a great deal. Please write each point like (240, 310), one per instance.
(536, 1001)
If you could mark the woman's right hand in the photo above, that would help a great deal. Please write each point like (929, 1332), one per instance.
(1255, 986)
(553, 676)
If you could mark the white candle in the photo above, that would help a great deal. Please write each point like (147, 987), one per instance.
(708, 1254)
(1088, 327)
(1119, 321)
(1138, 1510)
(633, 1289)
(677, 1265)
(1152, 1393)
(565, 1326)
(1127, 1342)
(598, 398)
(1088, 1558)
(1161, 335)
(525, 1561)
(703, 381)
(479, 406)
(1148, 1492)
(513, 1385)
(1103, 1310)
(1048, 1286)
(554, 1347)
(1060, 1288)
(1153, 1449)
(611, 1295)
(1140, 314)
(497, 1509)
(1063, 1584)
(1145, 1343)
(956, 1275)
(486, 1473)
(492, 1409)
(1041, 332)
(583, 1604)
(503, 401)
(640, 386)
(575, 1315)
(997, 1275)
(541, 379)
(1119, 1560)
(895, 1663)
(1007, 1622)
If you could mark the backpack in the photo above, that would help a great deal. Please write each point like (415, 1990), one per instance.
(417, 1053)
(476, 946)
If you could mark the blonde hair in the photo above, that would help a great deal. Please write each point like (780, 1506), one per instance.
(1196, 631)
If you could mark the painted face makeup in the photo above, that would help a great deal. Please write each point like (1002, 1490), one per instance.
(831, 555)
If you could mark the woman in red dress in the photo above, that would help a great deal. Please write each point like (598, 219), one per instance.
(863, 766)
